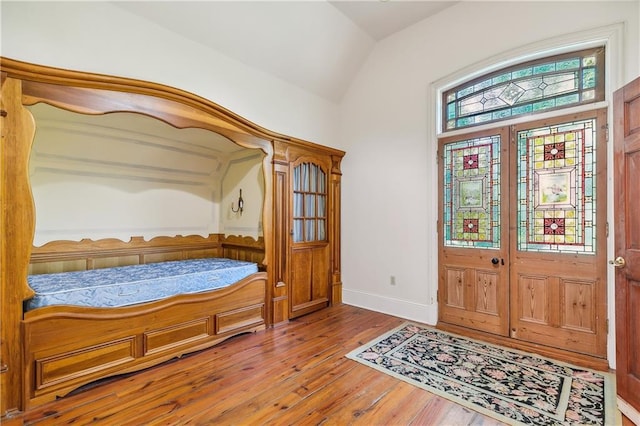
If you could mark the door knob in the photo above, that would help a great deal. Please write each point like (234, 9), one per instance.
(495, 260)
(619, 262)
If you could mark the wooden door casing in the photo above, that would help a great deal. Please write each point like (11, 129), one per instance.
(627, 245)
(306, 274)
(560, 299)
(473, 286)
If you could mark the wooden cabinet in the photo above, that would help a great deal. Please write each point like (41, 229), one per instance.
(307, 181)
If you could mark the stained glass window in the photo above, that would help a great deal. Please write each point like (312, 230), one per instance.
(547, 84)
(309, 203)
(557, 188)
(472, 193)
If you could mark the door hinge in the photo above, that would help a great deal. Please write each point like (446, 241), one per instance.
(605, 127)
(607, 229)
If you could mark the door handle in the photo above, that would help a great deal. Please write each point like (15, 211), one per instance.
(495, 261)
(619, 262)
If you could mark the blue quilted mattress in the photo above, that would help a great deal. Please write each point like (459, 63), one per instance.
(128, 285)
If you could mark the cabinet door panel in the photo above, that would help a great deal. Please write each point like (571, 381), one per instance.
(309, 280)
(310, 246)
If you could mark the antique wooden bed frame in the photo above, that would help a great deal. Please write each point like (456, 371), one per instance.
(68, 346)
(48, 352)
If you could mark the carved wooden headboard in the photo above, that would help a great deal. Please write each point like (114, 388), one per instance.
(64, 256)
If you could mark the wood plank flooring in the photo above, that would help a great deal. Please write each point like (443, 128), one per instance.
(294, 373)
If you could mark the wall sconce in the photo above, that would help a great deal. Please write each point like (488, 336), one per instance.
(240, 204)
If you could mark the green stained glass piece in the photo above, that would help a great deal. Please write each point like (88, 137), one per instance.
(588, 78)
(482, 85)
(501, 114)
(465, 92)
(541, 69)
(525, 72)
(522, 109)
(589, 61)
(568, 99)
(568, 64)
(462, 122)
(501, 78)
(542, 105)
(451, 111)
(482, 118)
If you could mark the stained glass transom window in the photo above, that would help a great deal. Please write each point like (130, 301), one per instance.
(556, 175)
(309, 203)
(472, 193)
(551, 83)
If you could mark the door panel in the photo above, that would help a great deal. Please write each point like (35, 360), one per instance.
(558, 254)
(627, 245)
(473, 284)
(309, 247)
(309, 280)
(533, 306)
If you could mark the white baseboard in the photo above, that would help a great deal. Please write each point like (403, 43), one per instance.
(426, 314)
(631, 413)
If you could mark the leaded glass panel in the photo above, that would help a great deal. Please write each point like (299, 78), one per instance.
(472, 193)
(539, 86)
(556, 188)
(309, 203)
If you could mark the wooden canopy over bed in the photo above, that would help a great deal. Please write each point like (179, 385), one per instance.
(47, 352)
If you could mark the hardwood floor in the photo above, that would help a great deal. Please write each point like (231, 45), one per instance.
(294, 373)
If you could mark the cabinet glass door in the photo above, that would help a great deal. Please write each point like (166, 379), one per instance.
(309, 203)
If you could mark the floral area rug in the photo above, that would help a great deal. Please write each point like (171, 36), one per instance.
(511, 386)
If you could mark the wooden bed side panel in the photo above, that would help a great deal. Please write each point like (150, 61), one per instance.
(67, 347)
(65, 256)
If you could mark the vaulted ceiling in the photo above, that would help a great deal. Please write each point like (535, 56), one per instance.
(317, 45)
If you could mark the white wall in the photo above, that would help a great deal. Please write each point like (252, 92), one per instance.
(390, 181)
(121, 175)
(101, 37)
(244, 173)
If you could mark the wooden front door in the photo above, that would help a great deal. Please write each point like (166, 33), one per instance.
(310, 251)
(627, 244)
(523, 232)
(473, 289)
(558, 247)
